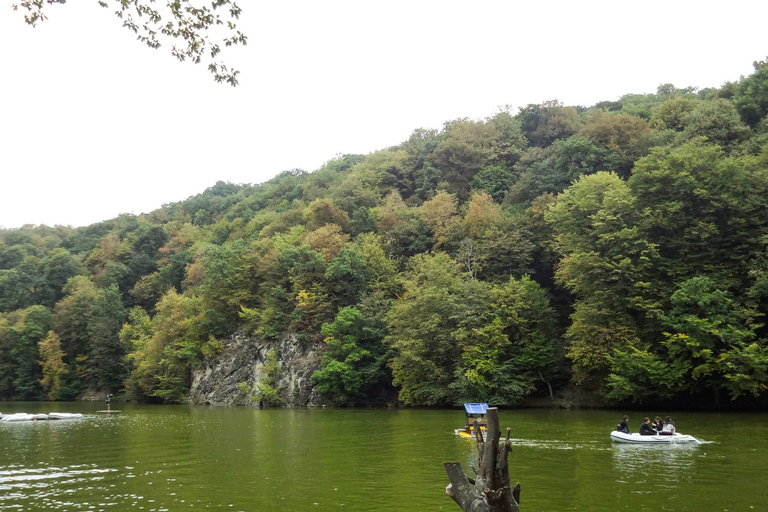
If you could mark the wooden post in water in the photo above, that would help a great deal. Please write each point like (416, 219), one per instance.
(492, 491)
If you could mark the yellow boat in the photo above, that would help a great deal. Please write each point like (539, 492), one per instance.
(474, 412)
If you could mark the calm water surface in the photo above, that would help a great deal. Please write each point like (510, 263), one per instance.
(169, 458)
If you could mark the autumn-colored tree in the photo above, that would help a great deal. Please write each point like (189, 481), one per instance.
(622, 134)
(52, 364)
(482, 212)
(327, 240)
(321, 212)
(385, 170)
(439, 214)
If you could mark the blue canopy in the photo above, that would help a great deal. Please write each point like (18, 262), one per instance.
(476, 408)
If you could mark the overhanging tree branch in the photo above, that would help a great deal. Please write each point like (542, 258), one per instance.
(193, 25)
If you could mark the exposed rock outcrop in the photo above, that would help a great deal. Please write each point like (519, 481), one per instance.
(242, 359)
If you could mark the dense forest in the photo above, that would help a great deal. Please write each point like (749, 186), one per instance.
(617, 250)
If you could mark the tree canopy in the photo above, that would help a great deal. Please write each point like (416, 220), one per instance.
(616, 252)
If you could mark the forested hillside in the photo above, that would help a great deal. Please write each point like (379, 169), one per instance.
(616, 250)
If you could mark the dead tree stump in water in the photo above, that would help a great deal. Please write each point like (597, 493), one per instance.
(492, 491)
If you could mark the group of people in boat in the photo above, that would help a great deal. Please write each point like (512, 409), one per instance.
(648, 427)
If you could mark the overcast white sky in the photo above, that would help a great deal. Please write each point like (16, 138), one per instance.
(93, 123)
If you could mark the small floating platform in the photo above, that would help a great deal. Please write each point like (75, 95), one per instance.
(108, 410)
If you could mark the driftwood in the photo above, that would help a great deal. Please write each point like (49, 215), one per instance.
(492, 491)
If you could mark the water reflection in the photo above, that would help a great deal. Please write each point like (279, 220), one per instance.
(646, 469)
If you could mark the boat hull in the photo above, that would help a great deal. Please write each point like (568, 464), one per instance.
(64, 415)
(462, 432)
(20, 416)
(621, 437)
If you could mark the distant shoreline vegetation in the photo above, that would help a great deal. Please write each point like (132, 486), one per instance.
(615, 253)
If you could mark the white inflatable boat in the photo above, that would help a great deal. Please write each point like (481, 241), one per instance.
(64, 415)
(621, 437)
(19, 416)
(22, 416)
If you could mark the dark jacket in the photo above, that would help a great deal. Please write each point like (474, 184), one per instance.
(646, 430)
(622, 426)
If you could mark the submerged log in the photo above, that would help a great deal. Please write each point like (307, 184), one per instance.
(490, 490)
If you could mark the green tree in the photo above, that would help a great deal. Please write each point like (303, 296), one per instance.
(545, 123)
(608, 265)
(704, 211)
(107, 354)
(715, 336)
(354, 363)
(143, 361)
(22, 286)
(382, 274)
(347, 276)
(162, 351)
(328, 241)
(642, 374)
(225, 286)
(562, 164)
(717, 121)
(425, 325)
(385, 170)
(407, 237)
(494, 179)
(503, 360)
(363, 221)
(57, 267)
(673, 113)
(751, 95)
(468, 147)
(32, 329)
(510, 142)
(622, 134)
(72, 314)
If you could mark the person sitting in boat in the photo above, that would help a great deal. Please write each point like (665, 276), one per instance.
(657, 424)
(669, 427)
(646, 429)
(623, 425)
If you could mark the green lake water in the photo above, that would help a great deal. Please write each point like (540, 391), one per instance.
(169, 458)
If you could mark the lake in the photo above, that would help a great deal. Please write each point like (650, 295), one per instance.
(169, 458)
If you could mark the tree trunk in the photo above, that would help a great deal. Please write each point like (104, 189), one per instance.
(551, 395)
(492, 491)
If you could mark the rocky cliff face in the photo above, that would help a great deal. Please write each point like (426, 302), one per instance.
(242, 360)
